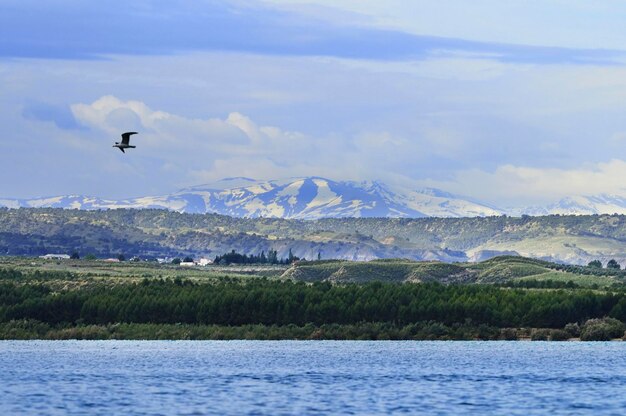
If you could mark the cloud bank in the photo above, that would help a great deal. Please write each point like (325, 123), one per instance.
(61, 29)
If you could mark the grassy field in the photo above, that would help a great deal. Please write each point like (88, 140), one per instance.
(81, 273)
(498, 270)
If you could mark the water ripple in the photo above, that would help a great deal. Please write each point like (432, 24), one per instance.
(291, 377)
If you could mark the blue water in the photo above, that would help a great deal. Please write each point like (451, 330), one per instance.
(292, 377)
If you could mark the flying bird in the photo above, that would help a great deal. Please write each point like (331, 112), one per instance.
(125, 140)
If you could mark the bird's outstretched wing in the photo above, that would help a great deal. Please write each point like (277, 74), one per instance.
(122, 149)
(126, 136)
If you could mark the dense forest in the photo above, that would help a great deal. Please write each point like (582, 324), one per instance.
(282, 303)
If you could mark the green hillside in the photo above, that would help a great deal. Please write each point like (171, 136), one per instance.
(500, 270)
(392, 270)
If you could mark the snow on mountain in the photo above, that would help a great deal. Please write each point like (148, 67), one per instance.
(580, 205)
(302, 198)
(314, 197)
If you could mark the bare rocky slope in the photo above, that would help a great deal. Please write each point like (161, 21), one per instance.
(158, 233)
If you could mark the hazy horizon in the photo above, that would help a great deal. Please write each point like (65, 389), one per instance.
(514, 104)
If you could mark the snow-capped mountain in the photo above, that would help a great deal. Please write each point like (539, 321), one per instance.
(302, 198)
(581, 205)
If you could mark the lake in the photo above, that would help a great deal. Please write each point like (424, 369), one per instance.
(302, 377)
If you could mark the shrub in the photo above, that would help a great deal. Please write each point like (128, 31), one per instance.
(595, 333)
(541, 334)
(435, 330)
(603, 329)
(23, 329)
(486, 332)
(573, 329)
(559, 335)
(508, 334)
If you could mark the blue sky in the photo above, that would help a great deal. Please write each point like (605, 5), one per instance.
(514, 103)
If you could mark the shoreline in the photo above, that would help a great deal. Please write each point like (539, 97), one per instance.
(425, 331)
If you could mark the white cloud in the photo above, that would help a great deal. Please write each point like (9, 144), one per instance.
(521, 185)
(201, 150)
(209, 148)
(461, 123)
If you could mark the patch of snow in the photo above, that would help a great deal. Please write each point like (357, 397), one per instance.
(324, 196)
(44, 202)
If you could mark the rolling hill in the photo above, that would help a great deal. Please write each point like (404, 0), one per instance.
(501, 269)
(159, 233)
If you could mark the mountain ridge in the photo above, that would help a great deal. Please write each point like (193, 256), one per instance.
(294, 198)
(316, 197)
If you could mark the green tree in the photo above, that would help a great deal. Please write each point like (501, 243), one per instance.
(188, 259)
(176, 261)
(613, 264)
(121, 257)
(595, 263)
(272, 257)
(90, 256)
(75, 256)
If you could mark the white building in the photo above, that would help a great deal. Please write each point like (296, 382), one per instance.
(204, 262)
(55, 257)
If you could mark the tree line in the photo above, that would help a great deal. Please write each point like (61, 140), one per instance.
(271, 258)
(594, 268)
(611, 264)
(282, 303)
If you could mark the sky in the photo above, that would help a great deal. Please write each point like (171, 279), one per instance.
(513, 103)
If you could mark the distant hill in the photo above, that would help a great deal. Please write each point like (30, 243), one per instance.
(160, 233)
